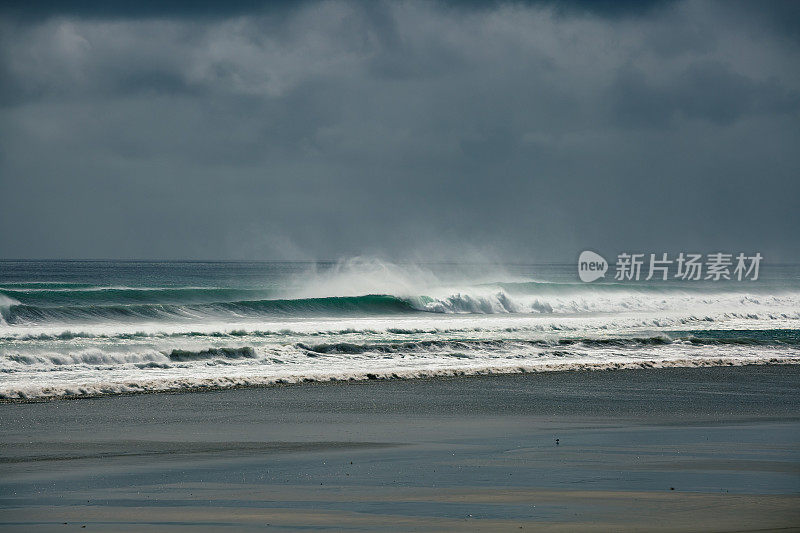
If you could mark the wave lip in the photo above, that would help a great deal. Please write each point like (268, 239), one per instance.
(6, 303)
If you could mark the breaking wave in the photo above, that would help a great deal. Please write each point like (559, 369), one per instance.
(22, 310)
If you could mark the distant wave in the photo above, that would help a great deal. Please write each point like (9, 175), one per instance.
(43, 306)
(73, 305)
(57, 295)
(22, 310)
(20, 314)
(43, 285)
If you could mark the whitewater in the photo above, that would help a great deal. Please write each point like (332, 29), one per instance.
(75, 329)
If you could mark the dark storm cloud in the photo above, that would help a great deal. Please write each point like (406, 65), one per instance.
(530, 130)
(779, 16)
(36, 9)
(99, 9)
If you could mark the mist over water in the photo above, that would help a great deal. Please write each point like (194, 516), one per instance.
(82, 328)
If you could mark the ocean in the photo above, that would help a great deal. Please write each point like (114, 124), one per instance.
(88, 328)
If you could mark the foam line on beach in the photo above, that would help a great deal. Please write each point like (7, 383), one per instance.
(187, 384)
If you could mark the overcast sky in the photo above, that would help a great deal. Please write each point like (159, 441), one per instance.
(440, 130)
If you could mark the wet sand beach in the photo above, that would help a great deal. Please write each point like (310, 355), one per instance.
(667, 449)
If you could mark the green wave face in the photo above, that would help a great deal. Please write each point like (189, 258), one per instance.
(335, 306)
(83, 296)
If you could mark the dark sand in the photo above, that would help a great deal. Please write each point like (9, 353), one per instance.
(714, 449)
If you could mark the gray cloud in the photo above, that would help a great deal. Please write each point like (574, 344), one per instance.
(709, 91)
(528, 130)
(37, 10)
(28, 10)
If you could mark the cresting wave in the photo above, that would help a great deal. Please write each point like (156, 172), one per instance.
(20, 314)
(121, 306)
(24, 310)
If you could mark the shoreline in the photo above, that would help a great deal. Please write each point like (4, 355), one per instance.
(256, 382)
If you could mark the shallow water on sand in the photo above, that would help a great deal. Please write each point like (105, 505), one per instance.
(675, 449)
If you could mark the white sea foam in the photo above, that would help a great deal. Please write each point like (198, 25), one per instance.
(157, 378)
